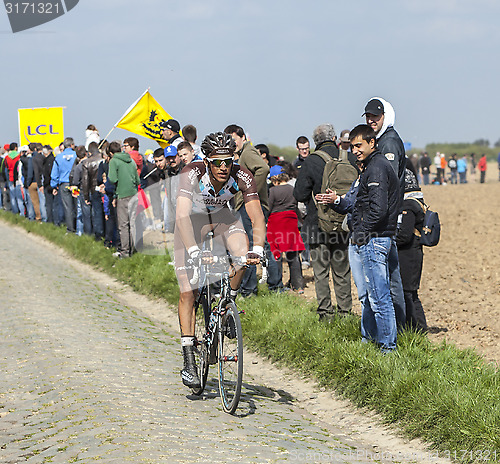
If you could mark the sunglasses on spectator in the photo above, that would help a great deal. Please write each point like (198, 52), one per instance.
(217, 162)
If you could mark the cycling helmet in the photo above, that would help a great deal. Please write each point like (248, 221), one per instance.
(218, 143)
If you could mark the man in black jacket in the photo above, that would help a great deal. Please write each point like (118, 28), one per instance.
(36, 186)
(90, 189)
(374, 222)
(328, 250)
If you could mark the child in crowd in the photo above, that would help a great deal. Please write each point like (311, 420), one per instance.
(282, 227)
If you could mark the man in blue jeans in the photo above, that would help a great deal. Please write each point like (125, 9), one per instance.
(374, 222)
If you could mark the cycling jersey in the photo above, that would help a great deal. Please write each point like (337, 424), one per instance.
(195, 184)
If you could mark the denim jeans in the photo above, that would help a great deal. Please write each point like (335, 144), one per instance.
(397, 293)
(29, 205)
(43, 209)
(463, 177)
(79, 218)
(86, 215)
(49, 204)
(16, 199)
(378, 316)
(58, 210)
(69, 206)
(426, 179)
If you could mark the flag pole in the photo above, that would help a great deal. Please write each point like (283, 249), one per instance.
(124, 114)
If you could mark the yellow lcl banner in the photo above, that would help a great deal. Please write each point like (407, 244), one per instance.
(41, 125)
(144, 118)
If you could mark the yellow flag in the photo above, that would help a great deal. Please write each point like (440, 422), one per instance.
(42, 125)
(144, 118)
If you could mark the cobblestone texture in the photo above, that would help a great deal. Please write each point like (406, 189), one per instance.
(85, 379)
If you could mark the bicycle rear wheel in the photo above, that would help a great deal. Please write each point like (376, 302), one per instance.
(230, 358)
(200, 345)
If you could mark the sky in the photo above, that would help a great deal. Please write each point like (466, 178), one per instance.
(278, 68)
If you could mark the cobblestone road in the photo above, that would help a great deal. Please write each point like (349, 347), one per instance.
(85, 379)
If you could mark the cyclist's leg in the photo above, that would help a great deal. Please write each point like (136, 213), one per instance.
(186, 313)
(189, 372)
(237, 245)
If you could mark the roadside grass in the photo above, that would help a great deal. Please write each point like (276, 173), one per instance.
(444, 395)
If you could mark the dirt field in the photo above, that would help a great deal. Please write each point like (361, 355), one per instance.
(460, 289)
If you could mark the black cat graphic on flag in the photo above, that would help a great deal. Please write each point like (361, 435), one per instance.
(27, 14)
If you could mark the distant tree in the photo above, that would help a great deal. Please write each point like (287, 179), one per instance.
(482, 142)
(497, 144)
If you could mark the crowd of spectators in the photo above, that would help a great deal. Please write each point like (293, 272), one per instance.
(451, 169)
(90, 188)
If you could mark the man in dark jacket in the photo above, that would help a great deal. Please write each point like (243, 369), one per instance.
(425, 167)
(374, 223)
(90, 189)
(35, 187)
(28, 178)
(328, 250)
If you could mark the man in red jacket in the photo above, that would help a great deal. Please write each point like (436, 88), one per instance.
(482, 165)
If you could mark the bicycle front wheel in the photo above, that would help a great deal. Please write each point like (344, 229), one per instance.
(230, 358)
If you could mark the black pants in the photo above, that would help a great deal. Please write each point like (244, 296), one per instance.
(69, 205)
(295, 267)
(415, 317)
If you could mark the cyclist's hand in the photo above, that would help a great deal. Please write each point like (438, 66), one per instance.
(255, 255)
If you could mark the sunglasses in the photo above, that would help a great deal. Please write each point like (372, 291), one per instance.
(217, 162)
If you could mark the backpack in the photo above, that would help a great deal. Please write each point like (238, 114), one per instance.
(338, 175)
(431, 227)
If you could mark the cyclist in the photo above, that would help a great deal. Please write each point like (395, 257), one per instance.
(205, 189)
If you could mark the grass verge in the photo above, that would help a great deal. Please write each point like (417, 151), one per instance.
(446, 396)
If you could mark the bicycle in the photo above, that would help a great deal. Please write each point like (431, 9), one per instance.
(218, 334)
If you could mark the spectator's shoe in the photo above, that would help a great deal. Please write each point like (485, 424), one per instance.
(117, 254)
(326, 317)
(189, 373)
(306, 264)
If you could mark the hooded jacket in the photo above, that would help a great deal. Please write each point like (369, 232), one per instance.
(10, 162)
(123, 173)
(389, 143)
